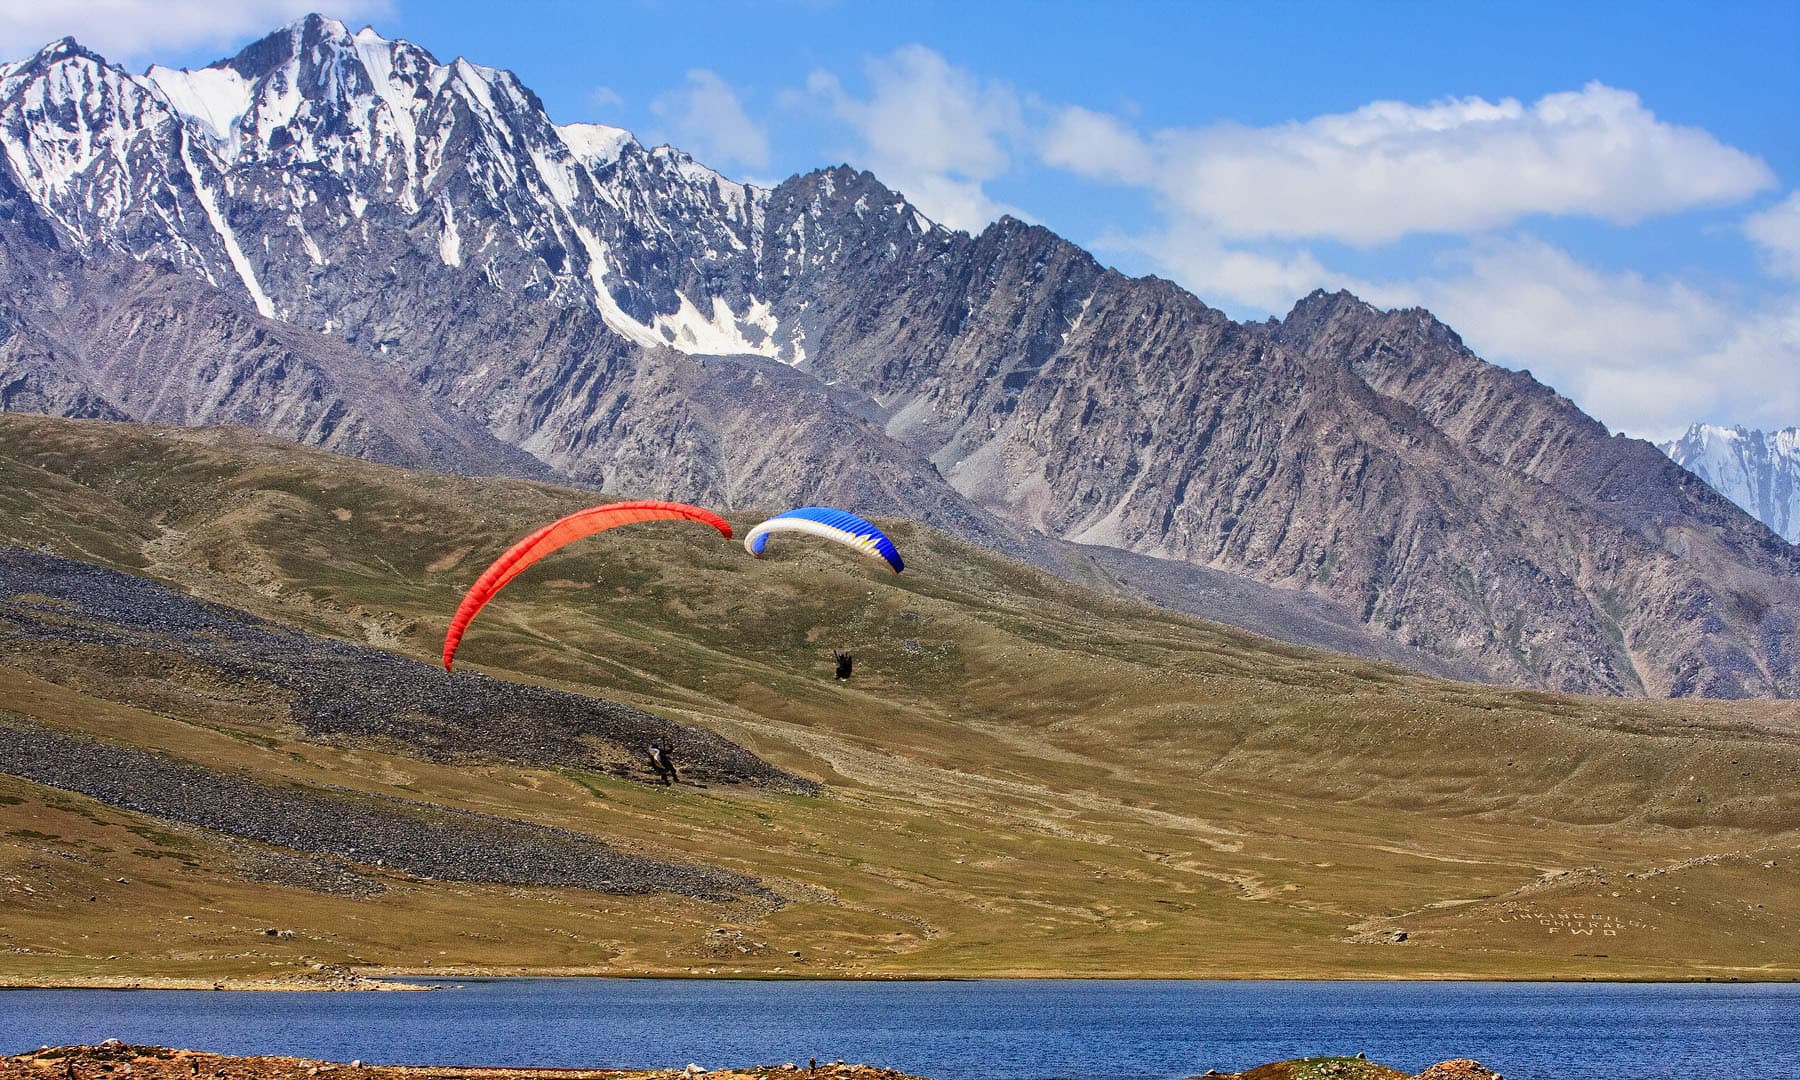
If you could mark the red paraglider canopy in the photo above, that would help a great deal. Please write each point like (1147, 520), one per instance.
(554, 535)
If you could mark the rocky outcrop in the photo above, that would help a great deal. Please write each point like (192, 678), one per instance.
(114, 339)
(1697, 597)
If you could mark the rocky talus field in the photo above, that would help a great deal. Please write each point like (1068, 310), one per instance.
(227, 758)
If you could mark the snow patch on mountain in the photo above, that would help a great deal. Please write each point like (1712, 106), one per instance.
(71, 126)
(610, 311)
(449, 240)
(721, 334)
(214, 98)
(595, 144)
(227, 237)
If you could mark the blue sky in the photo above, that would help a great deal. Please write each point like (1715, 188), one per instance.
(1603, 193)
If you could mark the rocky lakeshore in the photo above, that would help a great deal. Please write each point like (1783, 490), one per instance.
(325, 978)
(114, 1060)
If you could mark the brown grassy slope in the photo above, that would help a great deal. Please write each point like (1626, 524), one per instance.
(1025, 778)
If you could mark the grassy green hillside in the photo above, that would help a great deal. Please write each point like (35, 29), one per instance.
(1023, 777)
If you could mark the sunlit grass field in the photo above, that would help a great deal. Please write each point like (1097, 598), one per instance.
(1023, 778)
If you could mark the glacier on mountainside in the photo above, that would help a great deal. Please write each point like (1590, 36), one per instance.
(1760, 471)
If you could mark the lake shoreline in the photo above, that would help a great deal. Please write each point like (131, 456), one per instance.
(288, 984)
(391, 980)
(113, 1058)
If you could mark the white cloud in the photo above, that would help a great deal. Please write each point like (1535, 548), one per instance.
(930, 129)
(1390, 169)
(605, 98)
(1776, 231)
(1648, 356)
(1242, 280)
(706, 118)
(1097, 146)
(1755, 373)
(1526, 298)
(138, 30)
(1749, 376)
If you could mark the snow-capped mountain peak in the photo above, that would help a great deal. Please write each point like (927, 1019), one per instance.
(313, 141)
(1760, 471)
(314, 93)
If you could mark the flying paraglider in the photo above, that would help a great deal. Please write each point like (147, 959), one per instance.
(824, 521)
(556, 534)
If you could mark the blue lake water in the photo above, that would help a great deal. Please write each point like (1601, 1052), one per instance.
(987, 1030)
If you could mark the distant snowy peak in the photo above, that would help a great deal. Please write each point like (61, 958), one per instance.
(1760, 471)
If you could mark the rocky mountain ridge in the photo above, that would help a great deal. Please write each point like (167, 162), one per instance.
(1757, 470)
(341, 239)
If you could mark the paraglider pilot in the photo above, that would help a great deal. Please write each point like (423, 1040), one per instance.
(844, 660)
(665, 769)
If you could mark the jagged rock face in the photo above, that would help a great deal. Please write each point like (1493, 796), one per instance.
(1510, 419)
(1697, 597)
(115, 339)
(1759, 471)
(448, 278)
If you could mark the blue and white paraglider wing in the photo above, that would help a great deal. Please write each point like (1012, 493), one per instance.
(831, 524)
